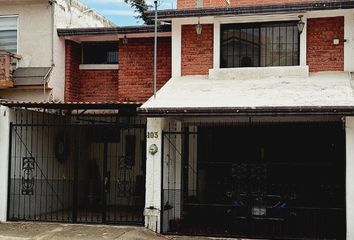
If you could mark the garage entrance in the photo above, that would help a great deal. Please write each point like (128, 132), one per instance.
(79, 168)
(279, 180)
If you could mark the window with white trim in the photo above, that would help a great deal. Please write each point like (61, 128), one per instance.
(8, 34)
(260, 44)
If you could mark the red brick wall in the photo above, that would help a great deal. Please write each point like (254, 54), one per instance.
(322, 54)
(186, 4)
(132, 82)
(136, 68)
(197, 51)
(98, 85)
(72, 74)
(215, 3)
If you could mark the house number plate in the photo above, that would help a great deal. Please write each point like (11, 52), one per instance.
(152, 135)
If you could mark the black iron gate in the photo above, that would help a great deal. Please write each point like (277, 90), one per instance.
(284, 181)
(76, 169)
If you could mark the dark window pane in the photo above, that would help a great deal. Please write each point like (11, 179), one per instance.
(259, 44)
(100, 53)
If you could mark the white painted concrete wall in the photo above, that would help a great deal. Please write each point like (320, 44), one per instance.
(350, 176)
(34, 41)
(5, 116)
(153, 175)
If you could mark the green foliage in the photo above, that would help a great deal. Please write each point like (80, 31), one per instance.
(141, 7)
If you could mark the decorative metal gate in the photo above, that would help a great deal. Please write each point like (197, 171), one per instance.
(76, 169)
(284, 181)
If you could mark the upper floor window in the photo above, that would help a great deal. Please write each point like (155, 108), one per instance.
(260, 45)
(100, 53)
(8, 34)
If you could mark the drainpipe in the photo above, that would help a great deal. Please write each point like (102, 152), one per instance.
(52, 12)
(155, 50)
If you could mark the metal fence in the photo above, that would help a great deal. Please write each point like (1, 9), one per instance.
(78, 168)
(278, 181)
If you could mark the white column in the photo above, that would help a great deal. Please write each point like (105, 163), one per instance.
(176, 48)
(152, 211)
(350, 176)
(303, 43)
(349, 44)
(4, 159)
(216, 56)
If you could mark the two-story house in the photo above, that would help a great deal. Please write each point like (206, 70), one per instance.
(82, 160)
(28, 29)
(32, 70)
(252, 137)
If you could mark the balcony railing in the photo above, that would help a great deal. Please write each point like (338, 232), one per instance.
(6, 69)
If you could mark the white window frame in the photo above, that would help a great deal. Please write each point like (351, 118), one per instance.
(17, 29)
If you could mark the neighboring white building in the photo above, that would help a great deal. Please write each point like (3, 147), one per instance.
(29, 28)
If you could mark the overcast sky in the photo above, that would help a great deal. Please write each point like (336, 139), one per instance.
(120, 13)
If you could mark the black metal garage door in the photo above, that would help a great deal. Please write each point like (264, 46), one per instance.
(283, 181)
(87, 172)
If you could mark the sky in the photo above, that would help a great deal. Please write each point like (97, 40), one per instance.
(121, 13)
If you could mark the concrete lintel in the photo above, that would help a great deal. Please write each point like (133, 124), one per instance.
(258, 72)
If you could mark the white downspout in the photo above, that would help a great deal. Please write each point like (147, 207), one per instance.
(52, 63)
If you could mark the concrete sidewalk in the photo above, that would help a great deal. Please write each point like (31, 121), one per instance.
(45, 231)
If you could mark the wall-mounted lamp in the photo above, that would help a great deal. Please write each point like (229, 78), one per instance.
(125, 40)
(198, 28)
(301, 24)
(153, 149)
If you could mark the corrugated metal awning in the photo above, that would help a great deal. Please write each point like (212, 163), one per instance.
(73, 105)
(65, 32)
(261, 8)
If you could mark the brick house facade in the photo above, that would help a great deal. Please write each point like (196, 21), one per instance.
(322, 53)
(253, 76)
(250, 68)
(132, 82)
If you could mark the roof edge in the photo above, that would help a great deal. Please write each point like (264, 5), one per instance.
(65, 32)
(253, 9)
(249, 111)
(72, 105)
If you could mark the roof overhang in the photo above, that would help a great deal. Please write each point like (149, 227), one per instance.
(248, 111)
(112, 105)
(253, 10)
(113, 33)
(294, 94)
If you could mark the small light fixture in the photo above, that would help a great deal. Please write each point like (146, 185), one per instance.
(125, 40)
(198, 28)
(301, 24)
(153, 149)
